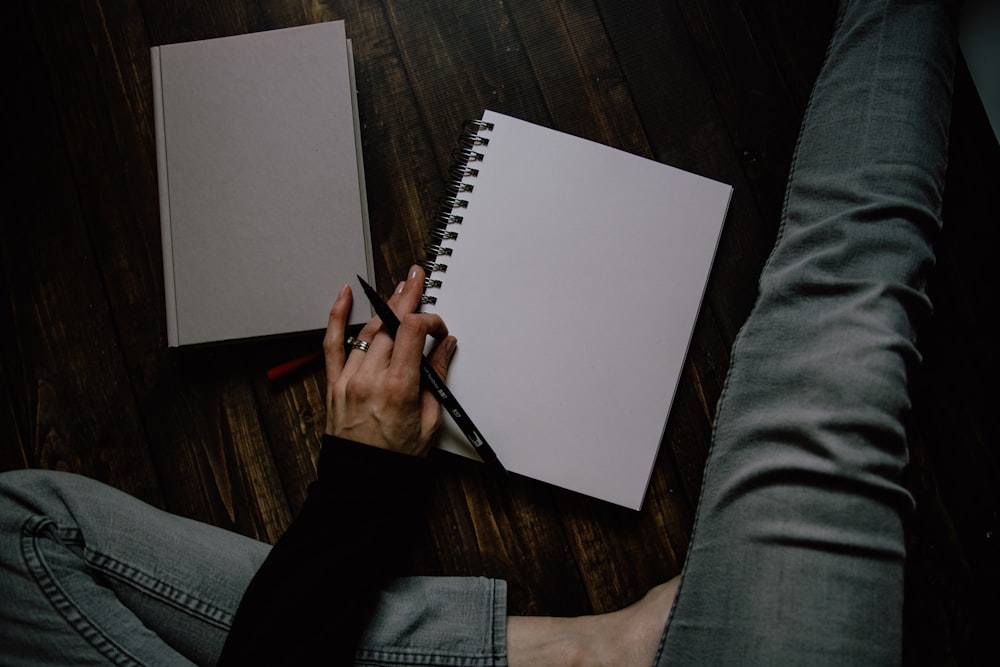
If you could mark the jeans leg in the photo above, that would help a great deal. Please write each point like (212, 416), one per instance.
(90, 575)
(797, 554)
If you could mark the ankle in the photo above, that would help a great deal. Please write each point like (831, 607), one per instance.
(629, 636)
(545, 640)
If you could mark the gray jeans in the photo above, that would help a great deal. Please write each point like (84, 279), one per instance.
(798, 551)
(797, 554)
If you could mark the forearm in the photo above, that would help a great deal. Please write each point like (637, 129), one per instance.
(315, 592)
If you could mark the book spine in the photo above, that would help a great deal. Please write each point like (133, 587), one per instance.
(467, 159)
(163, 185)
(362, 185)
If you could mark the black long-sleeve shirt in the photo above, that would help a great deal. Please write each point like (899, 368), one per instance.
(315, 593)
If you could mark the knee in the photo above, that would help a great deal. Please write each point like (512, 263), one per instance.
(35, 492)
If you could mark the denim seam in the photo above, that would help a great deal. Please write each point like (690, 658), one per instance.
(498, 641)
(495, 656)
(31, 530)
(401, 658)
(157, 589)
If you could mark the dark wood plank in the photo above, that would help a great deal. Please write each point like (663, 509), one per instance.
(750, 83)
(188, 20)
(792, 37)
(62, 362)
(577, 73)
(483, 66)
(405, 181)
(15, 440)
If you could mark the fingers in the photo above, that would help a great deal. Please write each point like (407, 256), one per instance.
(406, 298)
(413, 331)
(375, 396)
(333, 341)
(404, 301)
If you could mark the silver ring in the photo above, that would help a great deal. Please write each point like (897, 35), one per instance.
(362, 345)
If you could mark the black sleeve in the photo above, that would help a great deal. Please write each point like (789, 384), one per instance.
(315, 592)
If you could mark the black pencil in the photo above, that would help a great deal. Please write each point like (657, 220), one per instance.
(390, 323)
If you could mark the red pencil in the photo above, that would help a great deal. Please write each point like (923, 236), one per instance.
(289, 367)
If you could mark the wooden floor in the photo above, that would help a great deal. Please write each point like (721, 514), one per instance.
(715, 86)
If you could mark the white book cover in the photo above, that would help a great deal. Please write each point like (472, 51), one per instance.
(262, 199)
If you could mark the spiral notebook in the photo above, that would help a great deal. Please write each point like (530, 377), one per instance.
(572, 274)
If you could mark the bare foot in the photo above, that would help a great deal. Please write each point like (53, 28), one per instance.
(626, 637)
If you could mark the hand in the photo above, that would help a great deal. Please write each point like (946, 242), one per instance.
(374, 397)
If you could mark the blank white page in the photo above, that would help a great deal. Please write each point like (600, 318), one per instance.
(573, 289)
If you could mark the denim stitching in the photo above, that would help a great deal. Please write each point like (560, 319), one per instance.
(499, 610)
(370, 658)
(32, 530)
(401, 658)
(160, 590)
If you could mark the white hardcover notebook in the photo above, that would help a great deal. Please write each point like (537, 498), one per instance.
(572, 281)
(262, 197)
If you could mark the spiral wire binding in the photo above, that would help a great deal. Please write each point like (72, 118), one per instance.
(463, 157)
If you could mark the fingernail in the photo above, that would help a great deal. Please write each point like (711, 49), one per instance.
(413, 271)
(343, 291)
(400, 286)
